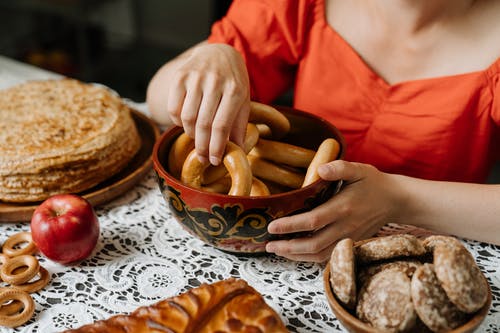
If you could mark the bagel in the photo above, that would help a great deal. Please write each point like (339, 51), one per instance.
(283, 153)
(274, 172)
(265, 114)
(327, 151)
(234, 160)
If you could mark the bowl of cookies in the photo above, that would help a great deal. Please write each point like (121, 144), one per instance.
(401, 283)
(272, 175)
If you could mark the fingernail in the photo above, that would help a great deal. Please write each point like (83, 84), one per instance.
(214, 160)
(323, 168)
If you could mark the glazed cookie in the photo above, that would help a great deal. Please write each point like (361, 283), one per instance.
(460, 277)
(385, 302)
(406, 266)
(430, 242)
(342, 273)
(388, 247)
(431, 302)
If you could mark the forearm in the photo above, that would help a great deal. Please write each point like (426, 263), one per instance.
(157, 92)
(462, 209)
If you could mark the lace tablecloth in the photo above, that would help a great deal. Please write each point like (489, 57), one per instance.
(144, 256)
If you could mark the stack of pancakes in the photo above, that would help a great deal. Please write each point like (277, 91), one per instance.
(61, 136)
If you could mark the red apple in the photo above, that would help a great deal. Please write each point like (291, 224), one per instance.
(65, 228)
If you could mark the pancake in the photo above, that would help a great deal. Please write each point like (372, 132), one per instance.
(61, 136)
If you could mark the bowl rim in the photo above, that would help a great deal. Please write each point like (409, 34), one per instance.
(361, 327)
(158, 167)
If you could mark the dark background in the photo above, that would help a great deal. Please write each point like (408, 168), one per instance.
(119, 43)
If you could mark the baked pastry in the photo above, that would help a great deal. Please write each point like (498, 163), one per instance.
(385, 302)
(343, 272)
(61, 136)
(431, 302)
(226, 306)
(460, 277)
(407, 266)
(389, 247)
(430, 242)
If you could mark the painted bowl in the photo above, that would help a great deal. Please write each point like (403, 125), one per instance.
(352, 324)
(238, 224)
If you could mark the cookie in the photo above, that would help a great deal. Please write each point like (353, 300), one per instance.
(460, 277)
(342, 273)
(431, 303)
(385, 302)
(406, 266)
(430, 242)
(388, 247)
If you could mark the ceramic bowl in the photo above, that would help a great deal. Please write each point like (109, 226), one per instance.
(352, 324)
(238, 224)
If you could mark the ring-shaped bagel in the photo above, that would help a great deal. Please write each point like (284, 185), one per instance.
(36, 285)
(259, 188)
(213, 173)
(276, 173)
(266, 114)
(327, 151)
(284, 153)
(177, 154)
(11, 273)
(236, 163)
(11, 307)
(11, 247)
(16, 319)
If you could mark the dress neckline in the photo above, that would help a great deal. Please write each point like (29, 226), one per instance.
(368, 70)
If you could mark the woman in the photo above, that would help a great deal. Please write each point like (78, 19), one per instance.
(413, 85)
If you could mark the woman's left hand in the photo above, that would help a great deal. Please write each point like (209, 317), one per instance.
(368, 200)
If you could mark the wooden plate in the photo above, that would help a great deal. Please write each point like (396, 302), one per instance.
(353, 325)
(109, 189)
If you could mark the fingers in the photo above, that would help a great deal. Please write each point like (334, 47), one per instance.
(319, 257)
(311, 220)
(208, 95)
(341, 169)
(203, 133)
(314, 247)
(189, 112)
(238, 132)
(210, 116)
(175, 101)
(223, 125)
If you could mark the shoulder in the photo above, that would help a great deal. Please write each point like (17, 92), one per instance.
(279, 8)
(268, 21)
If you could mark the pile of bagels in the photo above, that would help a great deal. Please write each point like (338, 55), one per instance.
(22, 275)
(263, 166)
(400, 283)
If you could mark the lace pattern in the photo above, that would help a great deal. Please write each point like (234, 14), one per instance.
(144, 256)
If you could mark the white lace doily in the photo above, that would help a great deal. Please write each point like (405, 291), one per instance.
(143, 256)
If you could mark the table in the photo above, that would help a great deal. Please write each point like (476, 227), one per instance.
(144, 256)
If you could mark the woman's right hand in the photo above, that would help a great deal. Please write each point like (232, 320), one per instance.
(205, 90)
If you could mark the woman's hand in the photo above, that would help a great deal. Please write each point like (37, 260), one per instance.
(368, 200)
(206, 91)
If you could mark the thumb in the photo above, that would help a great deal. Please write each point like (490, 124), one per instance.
(340, 170)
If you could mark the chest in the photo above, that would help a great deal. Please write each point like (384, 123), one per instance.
(398, 56)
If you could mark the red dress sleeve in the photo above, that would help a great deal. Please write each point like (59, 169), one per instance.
(270, 36)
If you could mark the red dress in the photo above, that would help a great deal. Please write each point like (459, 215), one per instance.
(444, 128)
